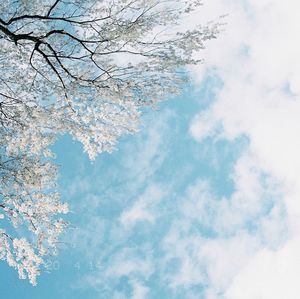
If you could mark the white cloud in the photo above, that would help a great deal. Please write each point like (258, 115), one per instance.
(237, 227)
(139, 290)
(257, 60)
(254, 100)
(255, 196)
(270, 274)
(125, 265)
(143, 208)
(137, 213)
(146, 155)
(134, 263)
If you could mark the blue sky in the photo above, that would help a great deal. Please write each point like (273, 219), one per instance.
(125, 205)
(204, 201)
(139, 216)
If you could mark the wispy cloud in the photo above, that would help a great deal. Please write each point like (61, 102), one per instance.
(213, 238)
(157, 223)
(144, 208)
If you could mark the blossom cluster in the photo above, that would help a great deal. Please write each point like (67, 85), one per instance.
(84, 68)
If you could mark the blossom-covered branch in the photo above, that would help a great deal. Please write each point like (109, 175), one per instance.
(85, 68)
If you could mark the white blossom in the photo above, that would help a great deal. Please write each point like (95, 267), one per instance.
(85, 68)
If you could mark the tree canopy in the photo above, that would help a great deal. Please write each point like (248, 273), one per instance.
(86, 68)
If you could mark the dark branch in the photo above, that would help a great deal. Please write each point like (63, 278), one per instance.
(52, 7)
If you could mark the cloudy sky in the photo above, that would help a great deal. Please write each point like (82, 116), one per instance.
(205, 201)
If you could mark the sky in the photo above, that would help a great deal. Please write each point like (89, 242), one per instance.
(204, 202)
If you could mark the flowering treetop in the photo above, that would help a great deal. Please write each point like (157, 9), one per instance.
(85, 68)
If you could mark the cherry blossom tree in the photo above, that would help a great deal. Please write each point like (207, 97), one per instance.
(85, 68)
